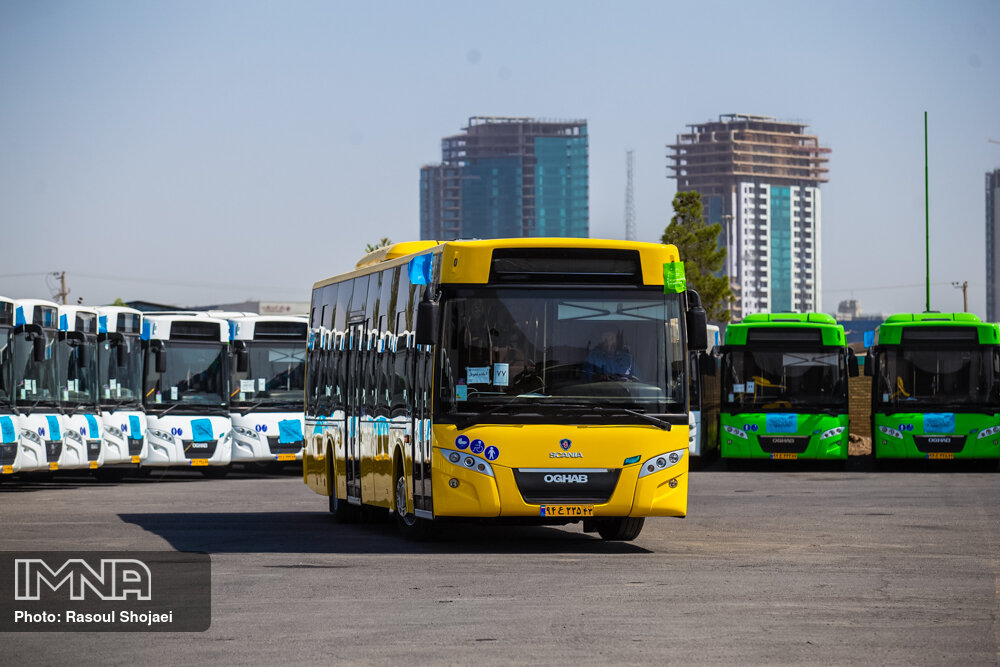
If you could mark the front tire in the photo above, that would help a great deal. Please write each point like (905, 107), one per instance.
(410, 526)
(342, 511)
(624, 529)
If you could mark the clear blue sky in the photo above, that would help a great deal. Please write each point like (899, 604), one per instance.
(193, 152)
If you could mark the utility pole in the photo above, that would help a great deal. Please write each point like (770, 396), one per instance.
(964, 286)
(63, 292)
(629, 199)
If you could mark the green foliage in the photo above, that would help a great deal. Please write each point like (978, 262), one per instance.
(119, 302)
(698, 245)
(382, 242)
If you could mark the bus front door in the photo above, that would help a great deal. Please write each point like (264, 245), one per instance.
(353, 403)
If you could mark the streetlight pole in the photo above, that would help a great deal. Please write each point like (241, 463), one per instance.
(964, 286)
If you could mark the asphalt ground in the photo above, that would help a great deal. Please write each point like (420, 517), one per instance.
(772, 566)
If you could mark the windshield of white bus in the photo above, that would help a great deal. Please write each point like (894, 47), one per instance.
(938, 377)
(756, 379)
(77, 364)
(275, 376)
(561, 348)
(195, 375)
(120, 384)
(35, 382)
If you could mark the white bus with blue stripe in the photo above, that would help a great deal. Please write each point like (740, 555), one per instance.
(119, 361)
(9, 433)
(77, 377)
(36, 388)
(268, 387)
(186, 392)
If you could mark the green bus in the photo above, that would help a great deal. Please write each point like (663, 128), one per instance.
(784, 388)
(935, 387)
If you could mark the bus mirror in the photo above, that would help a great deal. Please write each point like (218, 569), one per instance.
(120, 351)
(81, 356)
(428, 315)
(706, 364)
(852, 363)
(38, 349)
(161, 361)
(869, 364)
(242, 359)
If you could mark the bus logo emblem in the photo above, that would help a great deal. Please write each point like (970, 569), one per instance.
(565, 443)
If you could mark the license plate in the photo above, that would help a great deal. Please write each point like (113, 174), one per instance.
(941, 455)
(8, 470)
(93, 465)
(135, 459)
(567, 510)
(199, 462)
(785, 456)
(286, 457)
(53, 466)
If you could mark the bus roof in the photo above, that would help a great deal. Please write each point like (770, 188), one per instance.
(270, 327)
(193, 327)
(770, 327)
(940, 327)
(470, 261)
(78, 318)
(25, 311)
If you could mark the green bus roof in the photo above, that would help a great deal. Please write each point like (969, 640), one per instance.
(831, 333)
(890, 332)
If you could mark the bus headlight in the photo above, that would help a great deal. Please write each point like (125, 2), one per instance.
(732, 430)
(836, 430)
(469, 461)
(74, 436)
(28, 434)
(891, 432)
(661, 462)
(245, 432)
(113, 431)
(160, 435)
(985, 433)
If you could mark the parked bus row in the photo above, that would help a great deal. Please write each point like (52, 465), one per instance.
(112, 390)
(783, 389)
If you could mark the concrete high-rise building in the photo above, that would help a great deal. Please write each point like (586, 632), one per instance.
(992, 252)
(508, 177)
(759, 178)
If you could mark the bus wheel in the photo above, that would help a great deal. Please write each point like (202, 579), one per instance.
(410, 526)
(342, 511)
(215, 472)
(623, 529)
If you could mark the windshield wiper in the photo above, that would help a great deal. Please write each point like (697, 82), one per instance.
(462, 423)
(655, 421)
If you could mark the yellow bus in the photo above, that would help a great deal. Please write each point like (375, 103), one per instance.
(539, 380)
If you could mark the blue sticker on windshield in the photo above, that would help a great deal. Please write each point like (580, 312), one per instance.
(63, 323)
(7, 429)
(95, 431)
(939, 422)
(781, 423)
(55, 434)
(134, 426)
(869, 339)
(201, 430)
(102, 324)
(19, 317)
(419, 269)
(289, 431)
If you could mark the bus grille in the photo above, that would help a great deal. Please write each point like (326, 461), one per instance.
(8, 453)
(283, 447)
(134, 446)
(53, 450)
(566, 485)
(199, 450)
(93, 450)
(939, 443)
(783, 444)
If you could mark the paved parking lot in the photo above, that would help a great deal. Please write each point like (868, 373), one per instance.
(771, 566)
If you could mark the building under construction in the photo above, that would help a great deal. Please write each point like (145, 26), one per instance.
(508, 177)
(759, 178)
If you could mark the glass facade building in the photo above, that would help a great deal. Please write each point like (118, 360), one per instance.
(508, 177)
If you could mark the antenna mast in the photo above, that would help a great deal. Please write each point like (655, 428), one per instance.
(629, 199)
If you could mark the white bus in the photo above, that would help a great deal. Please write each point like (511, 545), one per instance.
(119, 372)
(35, 383)
(10, 436)
(186, 392)
(267, 389)
(76, 364)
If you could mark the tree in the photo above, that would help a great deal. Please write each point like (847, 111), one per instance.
(382, 242)
(119, 302)
(698, 245)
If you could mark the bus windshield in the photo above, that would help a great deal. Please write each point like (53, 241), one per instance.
(78, 371)
(6, 367)
(783, 379)
(275, 376)
(120, 384)
(195, 375)
(936, 377)
(34, 381)
(560, 351)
